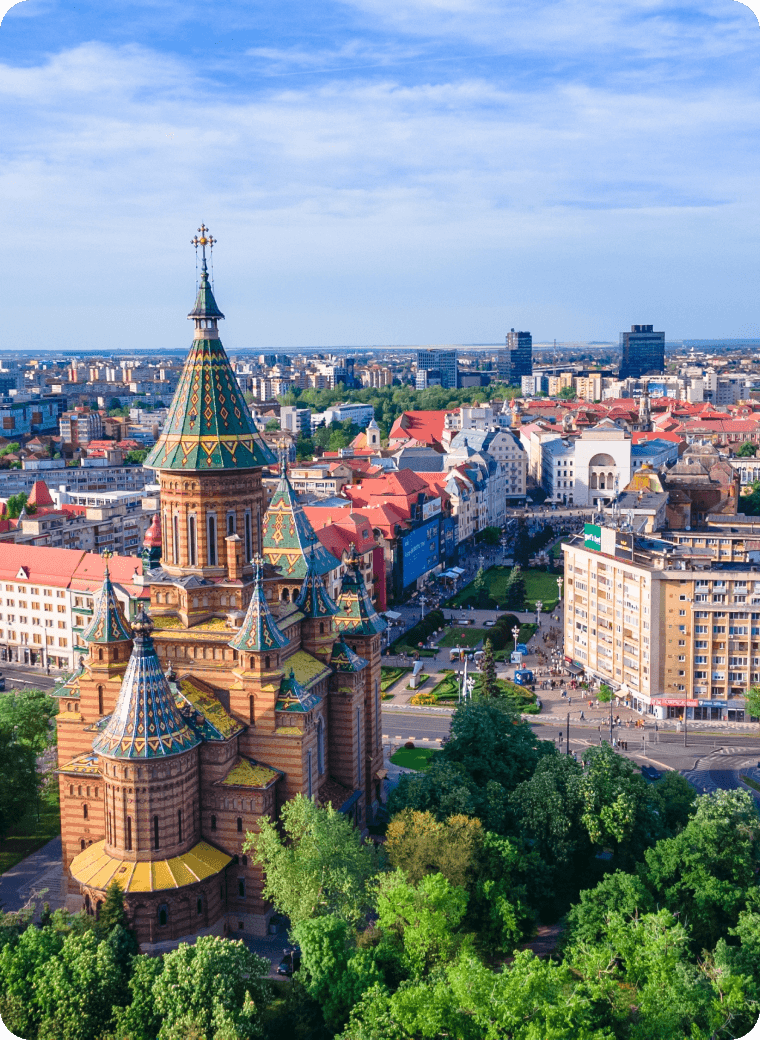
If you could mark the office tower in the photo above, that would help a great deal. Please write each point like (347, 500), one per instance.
(515, 360)
(643, 351)
(443, 361)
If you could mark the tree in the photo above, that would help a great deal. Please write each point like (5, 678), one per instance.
(567, 393)
(515, 591)
(272, 425)
(549, 806)
(493, 744)
(419, 844)
(18, 790)
(420, 920)
(10, 449)
(521, 547)
(113, 912)
(488, 685)
(618, 812)
(217, 986)
(21, 960)
(15, 504)
(317, 865)
(752, 701)
(605, 693)
(747, 450)
(28, 715)
(140, 1019)
(491, 535)
(137, 456)
(481, 587)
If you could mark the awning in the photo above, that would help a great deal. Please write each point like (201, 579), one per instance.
(576, 669)
(458, 570)
(392, 614)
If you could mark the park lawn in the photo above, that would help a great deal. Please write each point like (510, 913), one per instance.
(468, 637)
(447, 688)
(389, 676)
(414, 758)
(538, 585)
(29, 835)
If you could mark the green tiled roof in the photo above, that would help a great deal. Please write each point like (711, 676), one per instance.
(314, 599)
(205, 304)
(108, 624)
(356, 613)
(287, 536)
(259, 630)
(293, 697)
(146, 722)
(209, 425)
(343, 658)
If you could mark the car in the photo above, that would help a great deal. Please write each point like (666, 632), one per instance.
(651, 773)
(290, 963)
(488, 624)
(2, 683)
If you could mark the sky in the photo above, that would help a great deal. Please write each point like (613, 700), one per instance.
(378, 172)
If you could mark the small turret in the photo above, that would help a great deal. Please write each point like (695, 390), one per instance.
(151, 551)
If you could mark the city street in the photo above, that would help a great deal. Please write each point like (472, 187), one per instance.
(18, 677)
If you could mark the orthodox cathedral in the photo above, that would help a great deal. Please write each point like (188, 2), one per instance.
(242, 685)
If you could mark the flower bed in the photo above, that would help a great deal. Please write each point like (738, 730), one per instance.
(389, 676)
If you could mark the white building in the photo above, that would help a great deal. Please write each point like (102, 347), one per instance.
(590, 469)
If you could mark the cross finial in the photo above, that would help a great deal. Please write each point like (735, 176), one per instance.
(206, 239)
(258, 566)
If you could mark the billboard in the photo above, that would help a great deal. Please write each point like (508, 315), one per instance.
(420, 551)
(592, 537)
(431, 508)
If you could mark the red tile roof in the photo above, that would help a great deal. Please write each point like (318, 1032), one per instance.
(40, 495)
(68, 568)
(424, 427)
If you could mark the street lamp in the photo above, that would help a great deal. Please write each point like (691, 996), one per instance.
(539, 607)
(515, 634)
(559, 585)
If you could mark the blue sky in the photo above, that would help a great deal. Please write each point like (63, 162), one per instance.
(379, 171)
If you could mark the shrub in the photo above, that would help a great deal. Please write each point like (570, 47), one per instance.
(422, 699)
(409, 745)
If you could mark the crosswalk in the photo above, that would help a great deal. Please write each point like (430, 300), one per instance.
(417, 740)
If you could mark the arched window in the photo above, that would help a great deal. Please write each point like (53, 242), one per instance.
(378, 720)
(267, 664)
(240, 824)
(71, 790)
(213, 823)
(100, 700)
(320, 747)
(87, 905)
(100, 653)
(252, 709)
(129, 834)
(359, 745)
(179, 824)
(84, 811)
(199, 906)
(175, 539)
(241, 888)
(321, 628)
(192, 541)
(248, 544)
(211, 535)
(251, 663)
(245, 861)
(156, 843)
(163, 915)
(82, 844)
(231, 523)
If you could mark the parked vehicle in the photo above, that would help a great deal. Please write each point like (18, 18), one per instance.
(291, 961)
(524, 677)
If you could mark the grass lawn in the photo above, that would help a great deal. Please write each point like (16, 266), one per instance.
(469, 637)
(29, 835)
(447, 688)
(389, 676)
(416, 758)
(526, 632)
(538, 585)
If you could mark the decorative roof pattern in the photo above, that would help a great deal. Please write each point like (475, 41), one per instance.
(108, 623)
(293, 697)
(86, 764)
(146, 722)
(247, 772)
(96, 869)
(314, 599)
(356, 612)
(259, 630)
(308, 670)
(203, 712)
(209, 425)
(287, 536)
(343, 658)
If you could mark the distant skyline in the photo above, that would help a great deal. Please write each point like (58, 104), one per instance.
(426, 171)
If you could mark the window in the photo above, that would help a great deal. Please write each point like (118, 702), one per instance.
(213, 823)
(192, 541)
(231, 523)
(129, 834)
(156, 843)
(309, 790)
(320, 747)
(211, 536)
(240, 824)
(163, 915)
(359, 745)
(179, 825)
(248, 543)
(84, 811)
(241, 888)
(199, 907)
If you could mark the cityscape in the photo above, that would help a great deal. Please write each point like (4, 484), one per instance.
(379, 522)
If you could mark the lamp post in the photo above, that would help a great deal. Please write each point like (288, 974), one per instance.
(515, 634)
(539, 607)
(559, 586)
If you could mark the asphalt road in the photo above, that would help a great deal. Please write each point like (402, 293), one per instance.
(26, 678)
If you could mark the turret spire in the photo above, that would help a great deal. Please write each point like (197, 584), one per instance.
(259, 630)
(108, 623)
(356, 613)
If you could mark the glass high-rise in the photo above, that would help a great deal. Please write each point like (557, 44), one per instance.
(643, 351)
(443, 361)
(515, 360)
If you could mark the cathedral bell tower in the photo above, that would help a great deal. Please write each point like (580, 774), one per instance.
(209, 455)
(110, 643)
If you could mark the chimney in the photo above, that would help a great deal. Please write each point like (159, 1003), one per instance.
(234, 557)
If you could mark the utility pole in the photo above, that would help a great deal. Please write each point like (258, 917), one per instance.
(610, 721)
(685, 731)
(567, 752)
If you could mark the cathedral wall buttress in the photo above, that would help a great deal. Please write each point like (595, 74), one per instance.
(368, 647)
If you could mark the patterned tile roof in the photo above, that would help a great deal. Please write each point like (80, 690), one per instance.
(205, 304)
(96, 869)
(108, 623)
(356, 612)
(209, 425)
(204, 713)
(293, 697)
(259, 630)
(308, 670)
(86, 765)
(314, 599)
(287, 536)
(343, 658)
(247, 772)
(146, 722)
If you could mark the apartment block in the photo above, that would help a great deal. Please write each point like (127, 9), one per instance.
(673, 627)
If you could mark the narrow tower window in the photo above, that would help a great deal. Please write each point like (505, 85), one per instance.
(100, 700)
(240, 824)
(156, 843)
(192, 541)
(359, 746)
(129, 834)
(248, 546)
(84, 811)
(213, 823)
(175, 539)
(211, 533)
(320, 747)
(179, 824)
(231, 523)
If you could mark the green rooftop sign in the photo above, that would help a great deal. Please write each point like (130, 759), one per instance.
(592, 537)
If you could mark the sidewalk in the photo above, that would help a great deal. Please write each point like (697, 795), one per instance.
(38, 878)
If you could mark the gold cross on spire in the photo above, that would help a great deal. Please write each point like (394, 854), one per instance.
(206, 239)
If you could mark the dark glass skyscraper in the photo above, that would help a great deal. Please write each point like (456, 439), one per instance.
(643, 351)
(515, 360)
(443, 361)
